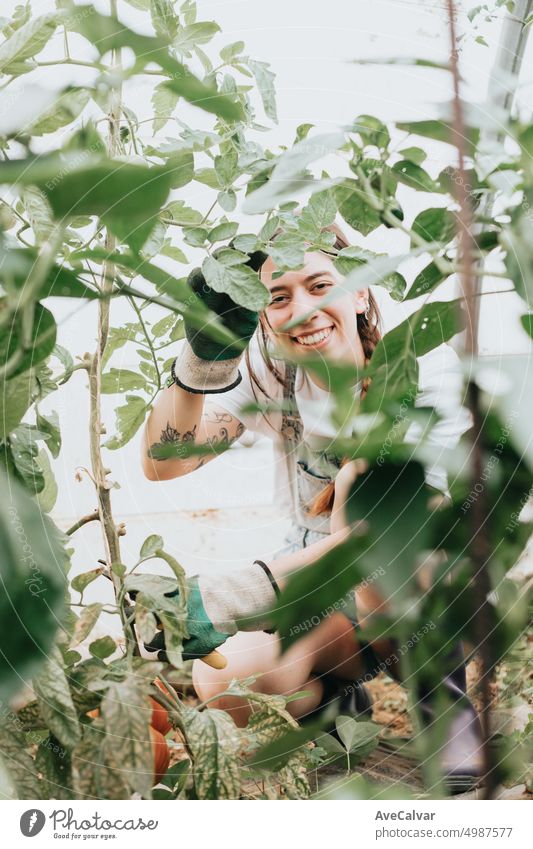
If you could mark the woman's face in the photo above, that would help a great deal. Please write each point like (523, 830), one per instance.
(330, 329)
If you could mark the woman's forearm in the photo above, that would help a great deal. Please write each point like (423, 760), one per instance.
(369, 600)
(284, 566)
(175, 419)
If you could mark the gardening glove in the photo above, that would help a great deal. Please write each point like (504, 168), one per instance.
(205, 366)
(220, 605)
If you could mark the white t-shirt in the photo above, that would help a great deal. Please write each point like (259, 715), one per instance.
(440, 386)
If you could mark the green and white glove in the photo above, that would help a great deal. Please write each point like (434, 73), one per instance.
(205, 366)
(217, 602)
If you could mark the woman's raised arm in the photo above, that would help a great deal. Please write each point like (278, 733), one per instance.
(180, 417)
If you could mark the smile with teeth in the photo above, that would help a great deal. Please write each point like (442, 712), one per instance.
(313, 338)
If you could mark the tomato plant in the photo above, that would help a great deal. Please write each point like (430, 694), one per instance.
(99, 217)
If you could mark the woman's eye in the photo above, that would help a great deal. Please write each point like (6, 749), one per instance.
(321, 286)
(279, 299)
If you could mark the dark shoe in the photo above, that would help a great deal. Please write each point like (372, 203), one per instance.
(461, 753)
(339, 698)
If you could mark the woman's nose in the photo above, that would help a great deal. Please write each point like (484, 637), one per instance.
(303, 306)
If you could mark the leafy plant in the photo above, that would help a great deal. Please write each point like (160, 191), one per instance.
(100, 217)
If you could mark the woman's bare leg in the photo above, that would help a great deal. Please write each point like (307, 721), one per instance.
(330, 647)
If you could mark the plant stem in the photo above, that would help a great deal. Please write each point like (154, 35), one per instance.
(91, 517)
(68, 61)
(105, 513)
(148, 339)
(374, 201)
(479, 543)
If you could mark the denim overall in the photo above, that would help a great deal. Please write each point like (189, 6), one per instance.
(308, 476)
(306, 482)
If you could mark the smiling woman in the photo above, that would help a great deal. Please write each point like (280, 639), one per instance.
(310, 316)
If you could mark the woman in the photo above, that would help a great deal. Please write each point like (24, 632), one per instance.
(211, 385)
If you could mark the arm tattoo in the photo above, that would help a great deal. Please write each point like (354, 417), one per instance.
(218, 416)
(173, 437)
(170, 434)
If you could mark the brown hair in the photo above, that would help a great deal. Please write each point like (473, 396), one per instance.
(369, 329)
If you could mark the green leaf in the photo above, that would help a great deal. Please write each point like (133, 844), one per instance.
(414, 176)
(391, 500)
(151, 546)
(312, 591)
(182, 214)
(527, 323)
(195, 236)
(288, 177)
(394, 358)
(319, 213)
(164, 19)
(372, 131)
(441, 131)
(15, 399)
(24, 451)
(164, 102)
(435, 225)
(127, 740)
(288, 251)
(86, 622)
(27, 41)
(354, 208)
(80, 582)
(53, 694)
(129, 419)
(208, 177)
(213, 739)
(395, 284)
(49, 424)
(47, 498)
(355, 735)
(127, 197)
(67, 108)
(425, 281)
(19, 772)
(351, 258)
(181, 168)
(42, 342)
(227, 200)
(240, 282)
(122, 380)
(145, 620)
(53, 762)
(118, 569)
(230, 51)
(277, 754)
(159, 596)
(16, 264)
(103, 647)
(226, 167)
(118, 337)
(265, 83)
(223, 231)
(193, 310)
(173, 252)
(414, 154)
(39, 213)
(97, 772)
(107, 33)
(197, 33)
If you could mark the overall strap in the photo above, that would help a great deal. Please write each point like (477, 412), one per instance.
(291, 422)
